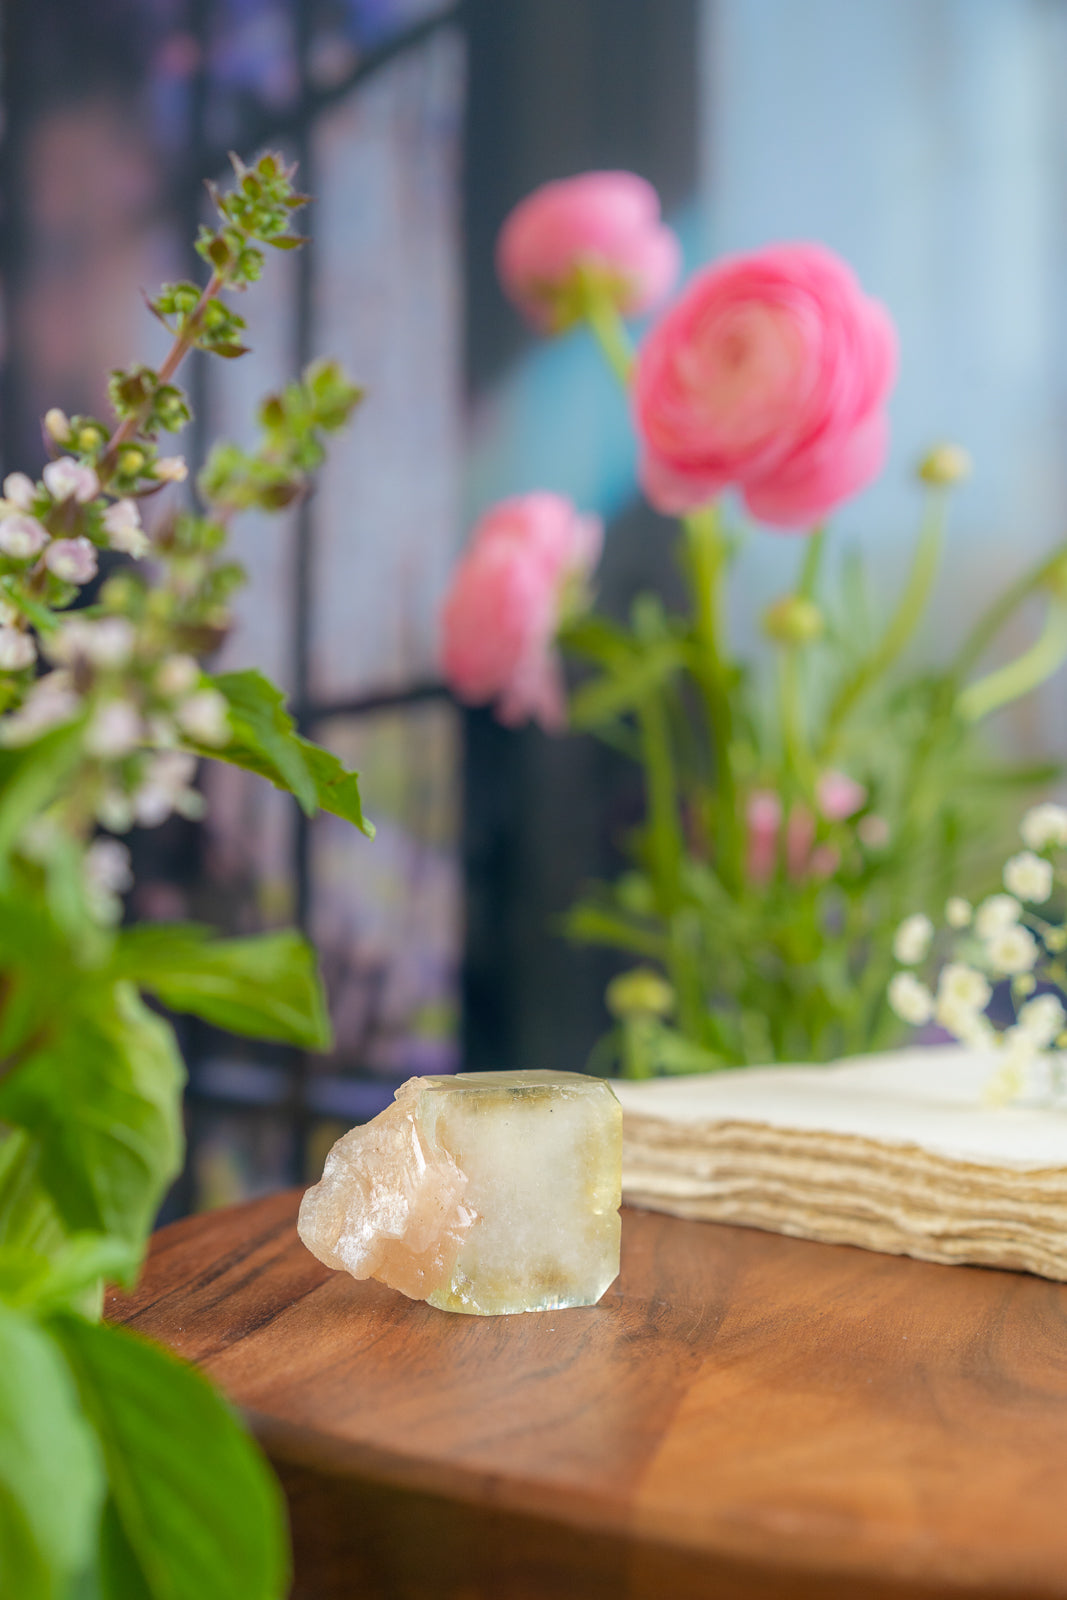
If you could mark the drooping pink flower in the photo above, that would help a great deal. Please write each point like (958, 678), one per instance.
(838, 796)
(606, 222)
(763, 816)
(771, 374)
(505, 603)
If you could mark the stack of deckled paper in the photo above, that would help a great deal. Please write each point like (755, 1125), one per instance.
(893, 1152)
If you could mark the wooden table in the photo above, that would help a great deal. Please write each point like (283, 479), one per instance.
(742, 1415)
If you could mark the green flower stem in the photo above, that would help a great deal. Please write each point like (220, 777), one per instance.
(706, 566)
(809, 572)
(610, 333)
(1023, 674)
(901, 626)
(176, 355)
(666, 846)
(986, 629)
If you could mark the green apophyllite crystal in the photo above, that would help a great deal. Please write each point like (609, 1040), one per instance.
(485, 1192)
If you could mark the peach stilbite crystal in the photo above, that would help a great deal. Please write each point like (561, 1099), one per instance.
(486, 1192)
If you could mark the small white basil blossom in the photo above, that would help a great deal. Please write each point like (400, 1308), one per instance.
(205, 718)
(1042, 1019)
(912, 940)
(1011, 951)
(1029, 877)
(958, 912)
(51, 701)
(162, 734)
(17, 650)
(114, 811)
(20, 490)
(167, 787)
(22, 537)
(105, 643)
(910, 999)
(107, 867)
(73, 560)
(171, 469)
(122, 523)
(177, 675)
(996, 913)
(115, 730)
(1044, 825)
(67, 479)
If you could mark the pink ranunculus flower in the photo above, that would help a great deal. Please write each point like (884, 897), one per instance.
(839, 797)
(763, 816)
(525, 560)
(770, 373)
(605, 222)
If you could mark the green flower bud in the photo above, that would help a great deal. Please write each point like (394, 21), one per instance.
(945, 465)
(57, 425)
(640, 992)
(793, 620)
(131, 462)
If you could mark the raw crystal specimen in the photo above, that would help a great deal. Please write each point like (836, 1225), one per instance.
(486, 1192)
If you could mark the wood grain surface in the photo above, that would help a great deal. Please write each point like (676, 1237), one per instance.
(741, 1415)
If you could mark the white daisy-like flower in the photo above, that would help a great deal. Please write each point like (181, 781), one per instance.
(1042, 1019)
(1044, 825)
(969, 1026)
(995, 913)
(67, 479)
(1011, 950)
(910, 999)
(912, 939)
(964, 985)
(958, 912)
(1029, 877)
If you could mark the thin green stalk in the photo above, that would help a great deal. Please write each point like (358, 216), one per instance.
(987, 627)
(666, 846)
(798, 762)
(706, 566)
(1023, 674)
(610, 334)
(809, 572)
(901, 625)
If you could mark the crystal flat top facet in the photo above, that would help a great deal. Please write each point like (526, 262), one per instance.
(484, 1192)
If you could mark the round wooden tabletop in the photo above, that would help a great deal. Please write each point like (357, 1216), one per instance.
(741, 1415)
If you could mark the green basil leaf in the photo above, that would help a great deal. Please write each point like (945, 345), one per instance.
(103, 1096)
(268, 987)
(69, 1277)
(51, 1481)
(264, 740)
(30, 776)
(199, 1512)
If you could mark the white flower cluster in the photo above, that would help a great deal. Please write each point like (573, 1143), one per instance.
(1003, 940)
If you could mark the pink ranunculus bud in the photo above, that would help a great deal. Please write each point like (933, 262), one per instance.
(825, 860)
(73, 560)
(67, 479)
(508, 594)
(763, 816)
(607, 223)
(838, 796)
(799, 838)
(770, 373)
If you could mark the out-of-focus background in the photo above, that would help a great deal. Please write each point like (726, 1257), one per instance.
(926, 140)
